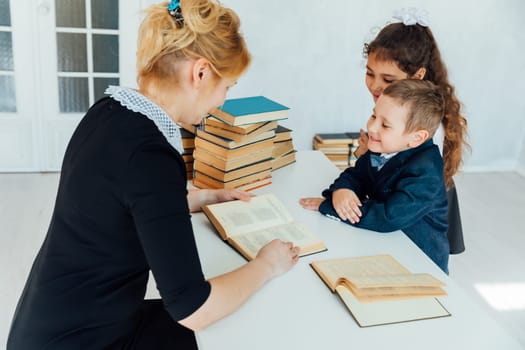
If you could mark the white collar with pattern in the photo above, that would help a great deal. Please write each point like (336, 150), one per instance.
(136, 102)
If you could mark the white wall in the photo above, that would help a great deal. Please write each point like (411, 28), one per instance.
(307, 55)
(521, 161)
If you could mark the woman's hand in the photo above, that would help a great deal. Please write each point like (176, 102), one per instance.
(199, 198)
(346, 204)
(311, 203)
(279, 256)
(226, 195)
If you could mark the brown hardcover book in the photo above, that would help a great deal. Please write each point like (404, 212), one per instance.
(188, 157)
(282, 148)
(248, 187)
(236, 183)
(379, 290)
(335, 148)
(227, 164)
(249, 235)
(227, 153)
(225, 176)
(338, 158)
(190, 128)
(282, 134)
(283, 160)
(239, 129)
(188, 139)
(337, 138)
(230, 144)
(231, 132)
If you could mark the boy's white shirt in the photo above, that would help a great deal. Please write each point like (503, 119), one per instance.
(439, 138)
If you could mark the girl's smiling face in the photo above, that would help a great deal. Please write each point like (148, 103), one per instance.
(380, 74)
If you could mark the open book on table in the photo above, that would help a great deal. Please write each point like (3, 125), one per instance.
(248, 226)
(379, 290)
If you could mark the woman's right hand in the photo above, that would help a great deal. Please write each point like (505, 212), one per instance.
(279, 256)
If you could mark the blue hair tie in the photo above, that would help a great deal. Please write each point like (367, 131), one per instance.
(175, 11)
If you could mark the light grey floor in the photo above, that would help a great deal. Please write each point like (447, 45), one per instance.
(491, 270)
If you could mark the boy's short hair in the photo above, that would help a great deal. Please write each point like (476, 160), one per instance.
(424, 100)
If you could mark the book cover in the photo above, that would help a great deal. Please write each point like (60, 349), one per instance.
(287, 159)
(282, 134)
(247, 187)
(337, 138)
(231, 163)
(393, 311)
(188, 139)
(248, 110)
(240, 129)
(236, 152)
(248, 226)
(226, 176)
(232, 132)
(240, 141)
(281, 148)
(235, 183)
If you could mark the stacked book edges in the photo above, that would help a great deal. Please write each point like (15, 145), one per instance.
(339, 148)
(241, 151)
(188, 144)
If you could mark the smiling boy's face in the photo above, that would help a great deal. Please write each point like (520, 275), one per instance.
(386, 127)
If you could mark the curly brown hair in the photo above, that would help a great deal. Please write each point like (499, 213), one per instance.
(411, 48)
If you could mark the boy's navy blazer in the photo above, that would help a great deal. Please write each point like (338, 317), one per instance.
(407, 194)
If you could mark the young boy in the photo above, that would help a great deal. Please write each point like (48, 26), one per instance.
(398, 184)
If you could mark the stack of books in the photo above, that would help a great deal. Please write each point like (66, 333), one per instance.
(283, 149)
(234, 148)
(188, 143)
(338, 147)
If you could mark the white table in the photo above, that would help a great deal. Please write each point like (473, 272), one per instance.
(297, 310)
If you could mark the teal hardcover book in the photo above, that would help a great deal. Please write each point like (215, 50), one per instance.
(249, 110)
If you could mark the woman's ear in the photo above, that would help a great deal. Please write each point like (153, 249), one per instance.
(200, 70)
(420, 74)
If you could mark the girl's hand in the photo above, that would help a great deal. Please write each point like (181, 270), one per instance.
(363, 144)
(279, 256)
(346, 204)
(311, 203)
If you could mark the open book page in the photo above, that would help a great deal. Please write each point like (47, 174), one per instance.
(335, 270)
(297, 233)
(385, 312)
(260, 212)
(379, 277)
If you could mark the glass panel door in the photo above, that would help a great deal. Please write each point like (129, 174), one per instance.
(57, 58)
(87, 51)
(86, 58)
(7, 80)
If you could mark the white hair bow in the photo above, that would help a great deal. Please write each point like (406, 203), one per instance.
(411, 16)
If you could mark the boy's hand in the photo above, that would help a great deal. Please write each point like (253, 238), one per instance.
(346, 204)
(311, 203)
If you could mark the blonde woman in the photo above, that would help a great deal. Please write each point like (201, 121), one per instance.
(123, 210)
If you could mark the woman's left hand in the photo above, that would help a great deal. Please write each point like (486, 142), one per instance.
(226, 195)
